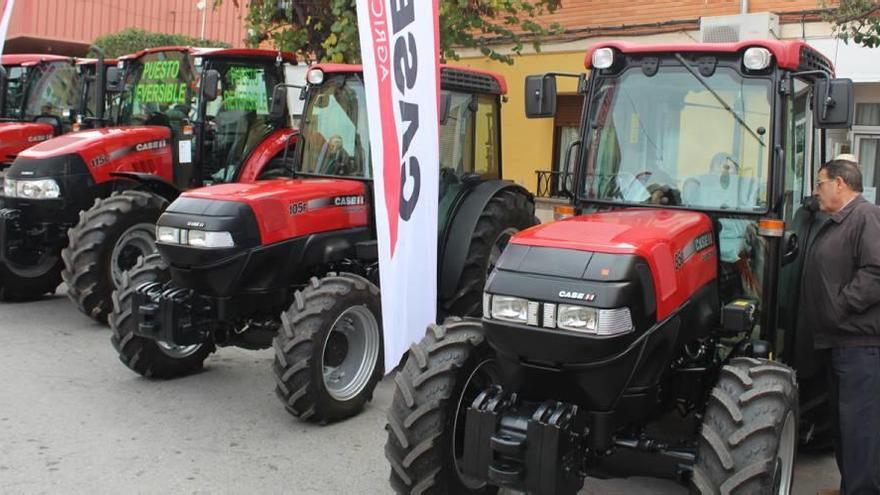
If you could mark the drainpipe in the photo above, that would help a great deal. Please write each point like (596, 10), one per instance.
(744, 7)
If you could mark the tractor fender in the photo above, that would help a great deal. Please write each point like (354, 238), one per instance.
(464, 221)
(272, 146)
(151, 182)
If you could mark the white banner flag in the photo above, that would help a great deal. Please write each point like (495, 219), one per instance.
(399, 49)
(6, 6)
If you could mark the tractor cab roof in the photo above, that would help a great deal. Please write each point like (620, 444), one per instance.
(31, 58)
(452, 77)
(94, 61)
(186, 49)
(250, 53)
(792, 55)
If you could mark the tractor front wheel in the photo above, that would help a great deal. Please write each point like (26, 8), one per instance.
(329, 350)
(107, 241)
(22, 283)
(443, 374)
(748, 438)
(144, 356)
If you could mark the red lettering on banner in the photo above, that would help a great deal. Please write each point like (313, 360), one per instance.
(390, 145)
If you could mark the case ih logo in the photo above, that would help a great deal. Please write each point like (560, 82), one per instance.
(152, 145)
(580, 296)
(348, 200)
(38, 138)
(700, 243)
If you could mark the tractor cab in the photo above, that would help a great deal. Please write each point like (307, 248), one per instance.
(669, 291)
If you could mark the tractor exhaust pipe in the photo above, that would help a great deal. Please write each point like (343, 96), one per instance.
(101, 86)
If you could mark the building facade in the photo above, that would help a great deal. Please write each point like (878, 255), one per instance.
(535, 150)
(67, 27)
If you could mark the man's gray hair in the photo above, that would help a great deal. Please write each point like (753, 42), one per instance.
(847, 170)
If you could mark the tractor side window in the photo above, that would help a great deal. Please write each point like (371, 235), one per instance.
(237, 120)
(53, 91)
(14, 92)
(798, 147)
(456, 138)
(335, 138)
(487, 146)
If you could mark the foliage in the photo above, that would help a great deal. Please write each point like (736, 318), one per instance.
(857, 20)
(327, 30)
(131, 40)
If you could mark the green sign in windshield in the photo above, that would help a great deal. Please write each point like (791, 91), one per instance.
(246, 90)
(160, 83)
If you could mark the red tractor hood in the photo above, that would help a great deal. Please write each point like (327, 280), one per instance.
(92, 142)
(679, 246)
(18, 136)
(290, 208)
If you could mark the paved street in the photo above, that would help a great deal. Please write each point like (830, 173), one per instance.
(73, 419)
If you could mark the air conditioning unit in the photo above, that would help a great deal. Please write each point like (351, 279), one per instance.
(733, 28)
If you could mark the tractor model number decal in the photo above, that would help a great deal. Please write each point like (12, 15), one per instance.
(297, 208)
(100, 160)
(348, 200)
(151, 145)
(580, 296)
(700, 243)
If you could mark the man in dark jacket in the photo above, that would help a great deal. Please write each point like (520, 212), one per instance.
(841, 298)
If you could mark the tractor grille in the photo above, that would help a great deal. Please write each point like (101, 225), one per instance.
(470, 82)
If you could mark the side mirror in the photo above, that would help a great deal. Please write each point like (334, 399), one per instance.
(540, 96)
(790, 247)
(211, 85)
(833, 103)
(445, 104)
(278, 110)
(113, 78)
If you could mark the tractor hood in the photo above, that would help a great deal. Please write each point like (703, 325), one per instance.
(288, 208)
(145, 149)
(18, 136)
(678, 246)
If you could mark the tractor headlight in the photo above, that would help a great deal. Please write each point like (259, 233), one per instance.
(315, 76)
(31, 189)
(602, 322)
(603, 58)
(168, 235)
(756, 58)
(508, 308)
(204, 239)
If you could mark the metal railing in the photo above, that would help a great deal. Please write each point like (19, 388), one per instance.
(553, 183)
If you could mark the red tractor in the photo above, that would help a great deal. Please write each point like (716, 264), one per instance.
(670, 295)
(108, 186)
(294, 262)
(43, 96)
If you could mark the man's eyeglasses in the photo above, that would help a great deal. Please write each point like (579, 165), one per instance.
(820, 182)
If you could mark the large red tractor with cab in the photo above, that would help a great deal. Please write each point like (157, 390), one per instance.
(43, 96)
(294, 263)
(669, 296)
(108, 186)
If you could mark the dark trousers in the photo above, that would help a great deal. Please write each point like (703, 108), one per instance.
(854, 394)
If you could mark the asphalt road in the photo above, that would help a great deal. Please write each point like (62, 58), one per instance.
(73, 419)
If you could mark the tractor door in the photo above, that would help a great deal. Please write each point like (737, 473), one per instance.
(14, 88)
(237, 119)
(52, 94)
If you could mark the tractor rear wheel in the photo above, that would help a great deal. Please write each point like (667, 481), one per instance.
(30, 282)
(748, 438)
(144, 356)
(443, 374)
(328, 352)
(107, 241)
(506, 214)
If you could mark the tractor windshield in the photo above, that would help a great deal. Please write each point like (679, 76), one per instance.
(15, 81)
(335, 138)
(238, 119)
(678, 138)
(160, 90)
(52, 92)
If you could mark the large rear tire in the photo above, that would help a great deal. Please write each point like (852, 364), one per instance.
(144, 356)
(443, 374)
(506, 214)
(23, 284)
(748, 438)
(328, 353)
(107, 241)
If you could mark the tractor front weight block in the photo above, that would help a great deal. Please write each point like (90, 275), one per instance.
(170, 315)
(529, 447)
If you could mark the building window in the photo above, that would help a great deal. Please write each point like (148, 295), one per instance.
(868, 114)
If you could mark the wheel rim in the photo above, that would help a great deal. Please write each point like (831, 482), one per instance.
(139, 240)
(178, 351)
(785, 456)
(350, 353)
(34, 266)
(482, 376)
(498, 247)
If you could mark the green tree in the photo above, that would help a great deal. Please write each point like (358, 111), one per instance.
(326, 30)
(856, 20)
(132, 40)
